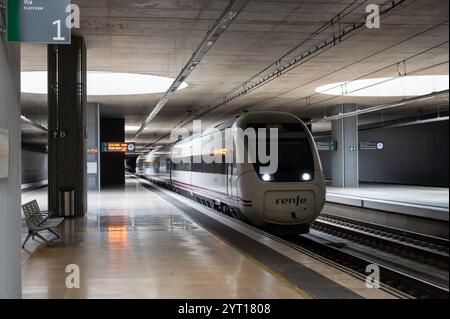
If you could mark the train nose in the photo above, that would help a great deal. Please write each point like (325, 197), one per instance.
(287, 207)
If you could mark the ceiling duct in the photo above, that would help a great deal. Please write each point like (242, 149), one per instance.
(227, 17)
(30, 122)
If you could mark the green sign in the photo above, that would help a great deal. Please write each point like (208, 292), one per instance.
(327, 146)
(38, 21)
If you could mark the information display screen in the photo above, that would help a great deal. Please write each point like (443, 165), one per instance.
(119, 147)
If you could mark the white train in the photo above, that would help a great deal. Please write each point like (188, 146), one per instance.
(287, 201)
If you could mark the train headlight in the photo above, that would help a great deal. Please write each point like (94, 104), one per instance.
(306, 177)
(267, 178)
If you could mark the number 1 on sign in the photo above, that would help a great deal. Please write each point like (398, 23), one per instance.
(58, 31)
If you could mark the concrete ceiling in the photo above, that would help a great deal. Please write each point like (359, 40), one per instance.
(158, 37)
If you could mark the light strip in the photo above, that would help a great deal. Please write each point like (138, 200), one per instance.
(425, 121)
(227, 17)
(382, 107)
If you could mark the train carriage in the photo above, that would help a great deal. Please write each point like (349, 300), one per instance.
(286, 200)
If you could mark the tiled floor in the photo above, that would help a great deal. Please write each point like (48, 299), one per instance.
(428, 196)
(134, 245)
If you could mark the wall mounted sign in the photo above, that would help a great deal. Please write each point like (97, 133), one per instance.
(38, 21)
(118, 147)
(4, 153)
(92, 168)
(327, 145)
(371, 146)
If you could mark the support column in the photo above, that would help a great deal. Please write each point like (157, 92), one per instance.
(345, 168)
(67, 122)
(112, 164)
(93, 147)
(10, 159)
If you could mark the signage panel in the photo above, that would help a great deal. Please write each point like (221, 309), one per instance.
(118, 147)
(371, 146)
(327, 145)
(38, 21)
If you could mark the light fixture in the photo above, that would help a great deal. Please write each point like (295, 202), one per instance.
(306, 177)
(225, 19)
(386, 87)
(104, 83)
(131, 128)
(266, 178)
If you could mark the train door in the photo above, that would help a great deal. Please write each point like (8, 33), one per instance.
(228, 178)
(191, 161)
(231, 174)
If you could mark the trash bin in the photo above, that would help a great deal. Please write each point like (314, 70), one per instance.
(66, 202)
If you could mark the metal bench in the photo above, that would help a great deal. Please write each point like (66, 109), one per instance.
(38, 221)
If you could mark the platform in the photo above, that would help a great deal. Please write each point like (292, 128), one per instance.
(141, 241)
(426, 202)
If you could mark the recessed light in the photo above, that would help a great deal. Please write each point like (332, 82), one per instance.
(104, 83)
(401, 86)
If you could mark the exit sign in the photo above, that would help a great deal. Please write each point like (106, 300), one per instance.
(38, 21)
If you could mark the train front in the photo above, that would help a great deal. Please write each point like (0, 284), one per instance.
(288, 197)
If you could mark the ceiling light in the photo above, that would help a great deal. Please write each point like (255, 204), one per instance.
(131, 128)
(104, 83)
(401, 86)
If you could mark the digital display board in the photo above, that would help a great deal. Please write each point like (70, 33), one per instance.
(118, 147)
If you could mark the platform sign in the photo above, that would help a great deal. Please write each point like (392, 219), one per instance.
(327, 145)
(4, 153)
(118, 147)
(38, 21)
(371, 146)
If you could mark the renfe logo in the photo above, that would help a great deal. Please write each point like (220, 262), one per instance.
(290, 201)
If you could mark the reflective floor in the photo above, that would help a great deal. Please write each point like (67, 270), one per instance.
(133, 244)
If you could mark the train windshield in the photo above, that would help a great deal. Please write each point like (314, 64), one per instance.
(295, 160)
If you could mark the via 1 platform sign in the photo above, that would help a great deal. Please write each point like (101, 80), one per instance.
(38, 21)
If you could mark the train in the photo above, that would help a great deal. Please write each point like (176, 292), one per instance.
(238, 183)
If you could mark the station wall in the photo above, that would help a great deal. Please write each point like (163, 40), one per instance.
(34, 166)
(10, 234)
(413, 155)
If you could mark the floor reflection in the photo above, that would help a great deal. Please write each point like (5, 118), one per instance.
(133, 244)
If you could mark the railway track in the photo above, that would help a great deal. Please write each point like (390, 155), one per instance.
(414, 264)
(430, 250)
(411, 264)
